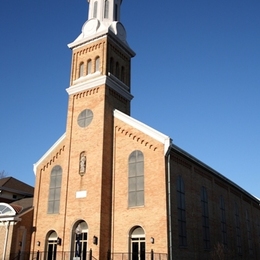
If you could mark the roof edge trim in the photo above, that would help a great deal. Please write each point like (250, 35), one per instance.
(35, 165)
(162, 138)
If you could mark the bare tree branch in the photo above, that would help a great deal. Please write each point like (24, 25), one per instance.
(3, 174)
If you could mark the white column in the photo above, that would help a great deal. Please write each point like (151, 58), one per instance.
(7, 224)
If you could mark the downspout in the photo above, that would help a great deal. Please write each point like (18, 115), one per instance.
(169, 202)
(7, 224)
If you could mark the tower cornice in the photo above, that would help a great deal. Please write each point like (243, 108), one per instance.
(110, 81)
(80, 42)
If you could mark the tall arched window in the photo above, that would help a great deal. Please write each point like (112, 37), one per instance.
(249, 233)
(136, 179)
(89, 67)
(97, 64)
(55, 190)
(95, 9)
(81, 69)
(106, 11)
(181, 212)
(205, 218)
(80, 240)
(223, 221)
(238, 230)
(51, 249)
(137, 244)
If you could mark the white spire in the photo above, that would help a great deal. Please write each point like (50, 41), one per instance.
(104, 10)
(103, 16)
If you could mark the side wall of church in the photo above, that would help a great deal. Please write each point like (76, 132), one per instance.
(222, 219)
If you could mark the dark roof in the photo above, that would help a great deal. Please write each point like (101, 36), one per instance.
(22, 205)
(12, 184)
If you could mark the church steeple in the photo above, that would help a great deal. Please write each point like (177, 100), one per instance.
(103, 17)
(104, 10)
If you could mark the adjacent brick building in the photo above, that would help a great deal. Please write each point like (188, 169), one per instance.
(113, 188)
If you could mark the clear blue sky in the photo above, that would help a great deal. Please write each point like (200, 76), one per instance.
(196, 78)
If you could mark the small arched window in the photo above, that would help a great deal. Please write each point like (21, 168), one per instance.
(97, 64)
(95, 9)
(55, 190)
(116, 12)
(123, 74)
(106, 11)
(111, 65)
(136, 179)
(81, 69)
(89, 67)
(117, 70)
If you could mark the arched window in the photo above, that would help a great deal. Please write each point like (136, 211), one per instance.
(81, 69)
(137, 244)
(123, 74)
(89, 67)
(80, 240)
(238, 230)
(136, 179)
(116, 12)
(51, 249)
(111, 65)
(95, 9)
(181, 212)
(249, 233)
(117, 70)
(205, 218)
(106, 11)
(97, 64)
(54, 190)
(223, 221)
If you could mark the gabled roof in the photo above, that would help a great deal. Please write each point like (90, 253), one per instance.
(14, 185)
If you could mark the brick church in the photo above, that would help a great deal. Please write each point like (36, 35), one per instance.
(112, 187)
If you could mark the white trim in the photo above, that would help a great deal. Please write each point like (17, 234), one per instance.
(88, 84)
(10, 220)
(164, 139)
(35, 165)
(116, 85)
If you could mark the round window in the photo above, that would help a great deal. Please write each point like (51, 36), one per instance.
(85, 118)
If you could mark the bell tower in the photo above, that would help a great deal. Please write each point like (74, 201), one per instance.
(101, 55)
(99, 83)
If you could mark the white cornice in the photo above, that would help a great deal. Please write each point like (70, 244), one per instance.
(164, 139)
(89, 83)
(48, 152)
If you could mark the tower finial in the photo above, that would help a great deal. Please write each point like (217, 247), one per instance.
(103, 16)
